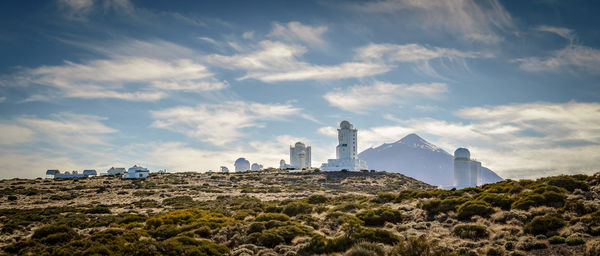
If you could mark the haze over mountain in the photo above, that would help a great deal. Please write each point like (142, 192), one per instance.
(417, 158)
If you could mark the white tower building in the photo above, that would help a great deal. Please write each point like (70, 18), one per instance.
(467, 172)
(242, 165)
(300, 156)
(346, 156)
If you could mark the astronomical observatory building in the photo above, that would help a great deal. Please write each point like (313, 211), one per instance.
(346, 156)
(299, 157)
(242, 165)
(467, 172)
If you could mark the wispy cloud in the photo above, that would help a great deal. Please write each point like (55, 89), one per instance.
(476, 20)
(566, 33)
(220, 124)
(360, 99)
(297, 32)
(277, 61)
(573, 57)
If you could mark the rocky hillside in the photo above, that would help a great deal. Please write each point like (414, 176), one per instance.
(279, 213)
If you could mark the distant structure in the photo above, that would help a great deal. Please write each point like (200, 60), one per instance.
(51, 172)
(467, 172)
(224, 169)
(283, 165)
(242, 165)
(89, 173)
(300, 156)
(136, 172)
(346, 157)
(68, 175)
(114, 171)
(256, 167)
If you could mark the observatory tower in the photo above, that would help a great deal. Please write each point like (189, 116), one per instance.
(467, 172)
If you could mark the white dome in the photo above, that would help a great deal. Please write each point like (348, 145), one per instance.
(462, 153)
(345, 125)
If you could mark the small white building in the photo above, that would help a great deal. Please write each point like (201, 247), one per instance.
(346, 156)
(115, 171)
(136, 172)
(89, 173)
(284, 166)
(467, 172)
(242, 165)
(300, 156)
(224, 169)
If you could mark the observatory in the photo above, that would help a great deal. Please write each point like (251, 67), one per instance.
(224, 169)
(136, 172)
(346, 157)
(467, 172)
(115, 171)
(242, 165)
(256, 167)
(300, 156)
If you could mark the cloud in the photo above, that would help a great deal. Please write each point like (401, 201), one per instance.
(391, 54)
(277, 61)
(219, 124)
(476, 20)
(11, 134)
(120, 77)
(521, 140)
(571, 57)
(359, 98)
(566, 33)
(297, 32)
(76, 9)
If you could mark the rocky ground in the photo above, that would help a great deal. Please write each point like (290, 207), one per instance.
(281, 213)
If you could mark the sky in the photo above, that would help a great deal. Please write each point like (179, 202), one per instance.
(193, 85)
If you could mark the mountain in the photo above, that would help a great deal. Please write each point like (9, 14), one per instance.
(417, 158)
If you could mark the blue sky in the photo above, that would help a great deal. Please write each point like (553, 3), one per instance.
(193, 85)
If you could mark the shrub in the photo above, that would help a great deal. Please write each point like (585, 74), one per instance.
(266, 238)
(544, 225)
(472, 208)
(417, 246)
(54, 234)
(203, 231)
(318, 244)
(164, 232)
(574, 240)
(382, 198)
(528, 244)
(592, 223)
(567, 182)
(317, 199)
(376, 235)
(256, 227)
(272, 216)
(556, 240)
(183, 245)
(497, 200)
(548, 198)
(592, 248)
(434, 207)
(12, 198)
(98, 210)
(296, 208)
(474, 232)
(366, 249)
(379, 216)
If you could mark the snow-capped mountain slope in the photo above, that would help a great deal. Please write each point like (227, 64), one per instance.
(415, 157)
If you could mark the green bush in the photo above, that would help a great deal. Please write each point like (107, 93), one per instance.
(376, 235)
(317, 199)
(567, 182)
(318, 244)
(366, 249)
(592, 223)
(547, 198)
(474, 232)
(183, 245)
(54, 234)
(496, 200)
(471, 208)
(382, 198)
(544, 225)
(434, 207)
(380, 216)
(272, 216)
(98, 210)
(256, 227)
(266, 238)
(573, 240)
(556, 240)
(293, 209)
(164, 232)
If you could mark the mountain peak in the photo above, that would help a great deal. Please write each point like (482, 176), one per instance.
(411, 139)
(415, 141)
